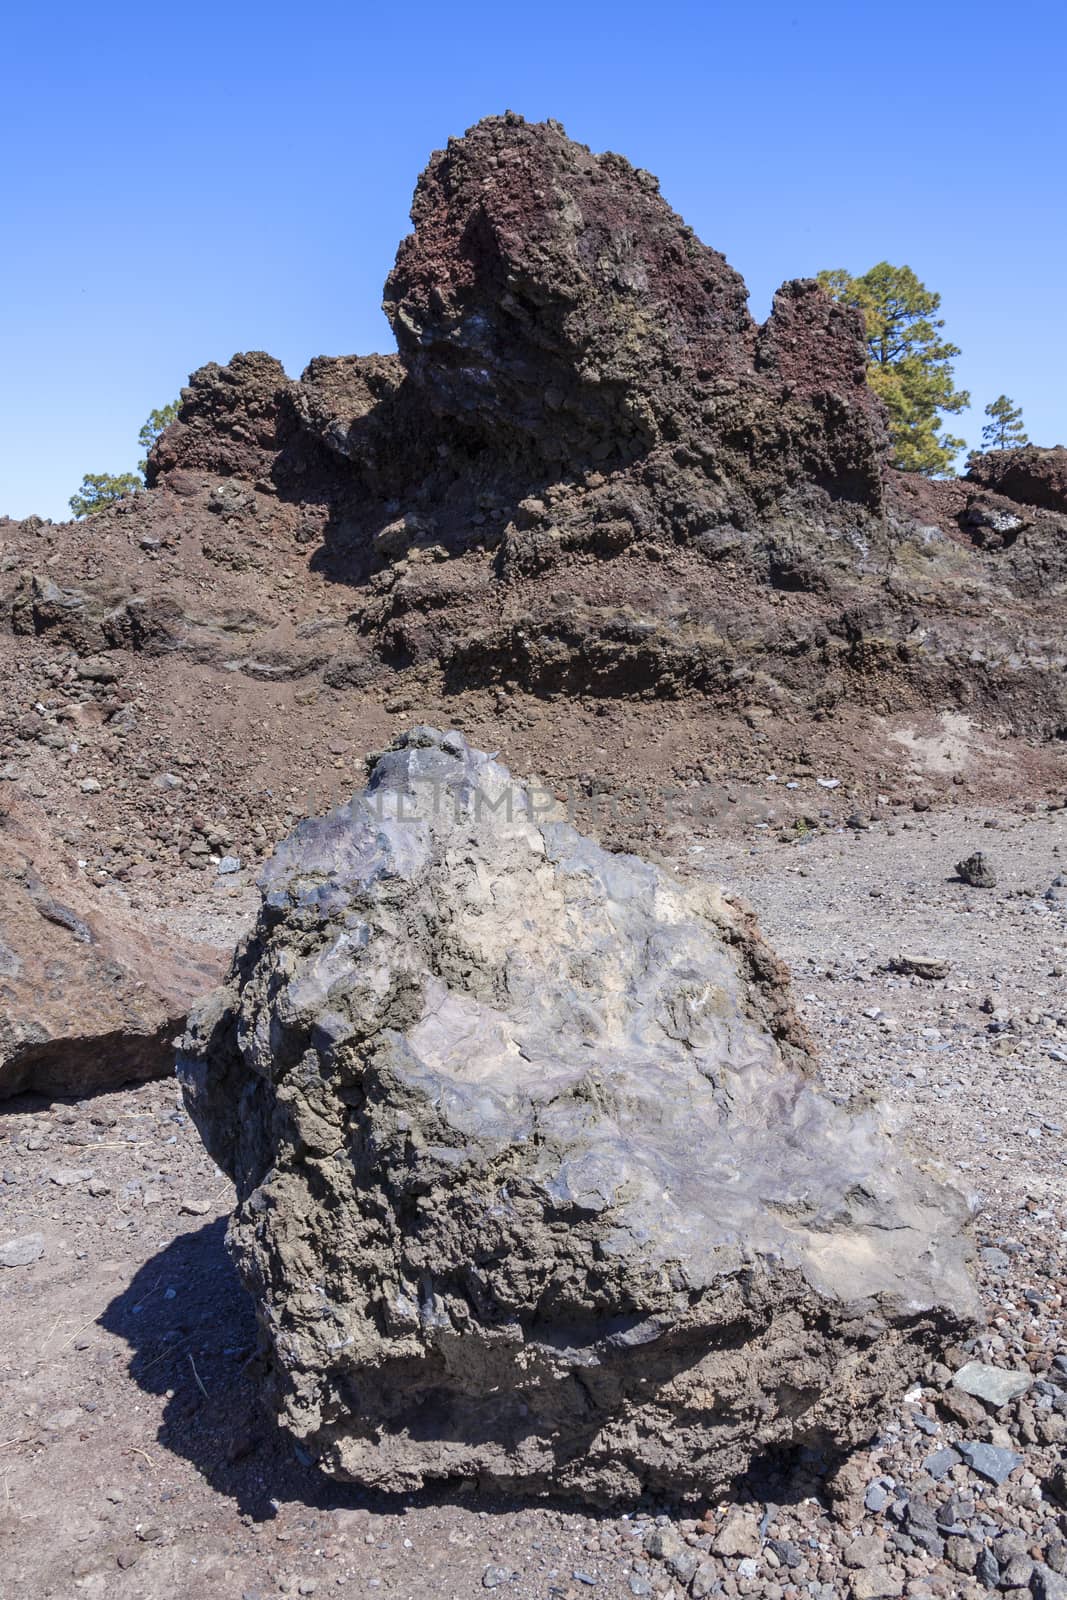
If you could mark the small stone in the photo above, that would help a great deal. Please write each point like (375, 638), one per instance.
(89, 786)
(128, 1557)
(195, 1208)
(962, 1408)
(941, 1463)
(22, 1251)
(98, 1188)
(877, 1584)
(990, 1461)
(962, 1552)
(67, 1177)
(1016, 1575)
(704, 1580)
(997, 1386)
(662, 1542)
(995, 1259)
(788, 1553)
(987, 1569)
(1046, 1584)
(493, 1577)
(866, 1551)
(229, 864)
(738, 1536)
(977, 870)
(915, 966)
(877, 1497)
(682, 1563)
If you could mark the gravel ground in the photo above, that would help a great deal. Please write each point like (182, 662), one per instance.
(134, 1463)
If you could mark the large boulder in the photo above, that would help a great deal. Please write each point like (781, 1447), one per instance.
(534, 1183)
(92, 995)
(552, 306)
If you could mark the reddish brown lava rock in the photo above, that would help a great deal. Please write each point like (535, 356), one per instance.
(1033, 476)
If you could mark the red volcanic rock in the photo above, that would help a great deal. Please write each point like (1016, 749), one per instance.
(550, 297)
(232, 422)
(551, 304)
(1033, 476)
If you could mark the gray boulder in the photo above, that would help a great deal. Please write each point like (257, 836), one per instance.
(534, 1182)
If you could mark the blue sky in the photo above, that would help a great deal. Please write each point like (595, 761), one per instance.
(183, 182)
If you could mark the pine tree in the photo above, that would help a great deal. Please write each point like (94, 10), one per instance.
(100, 489)
(157, 422)
(1004, 430)
(908, 363)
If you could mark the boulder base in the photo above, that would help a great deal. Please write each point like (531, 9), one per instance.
(534, 1182)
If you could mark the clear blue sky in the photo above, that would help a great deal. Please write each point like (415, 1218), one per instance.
(185, 181)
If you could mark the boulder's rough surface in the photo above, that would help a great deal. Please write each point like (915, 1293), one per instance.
(91, 996)
(534, 1182)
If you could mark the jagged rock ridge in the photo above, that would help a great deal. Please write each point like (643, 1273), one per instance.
(579, 392)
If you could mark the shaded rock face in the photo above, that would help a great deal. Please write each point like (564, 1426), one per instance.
(550, 302)
(90, 996)
(549, 294)
(534, 1182)
(554, 314)
(1033, 476)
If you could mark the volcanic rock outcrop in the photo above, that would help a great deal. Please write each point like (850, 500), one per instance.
(534, 1185)
(586, 471)
(589, 471)
(1033, 476)
(91, 995)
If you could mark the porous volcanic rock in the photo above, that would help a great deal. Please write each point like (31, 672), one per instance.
(1031, 475)
(91, 995)
(534, 1184)
(553, 305)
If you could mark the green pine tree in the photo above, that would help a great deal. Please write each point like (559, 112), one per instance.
(157, 422)
(1004, 430)
(101, 489)
(909, 365)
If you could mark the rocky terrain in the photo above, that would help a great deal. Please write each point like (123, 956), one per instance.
(589, 511)
(162, 1483)
(594, 517)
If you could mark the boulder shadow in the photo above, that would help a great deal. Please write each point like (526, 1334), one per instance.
(191, 1331)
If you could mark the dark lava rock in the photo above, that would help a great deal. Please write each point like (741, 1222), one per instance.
(551, 304)
(534, 1182)
(1030, 475)
(977, 870)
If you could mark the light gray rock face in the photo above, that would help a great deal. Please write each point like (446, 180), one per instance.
(534, 1184)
